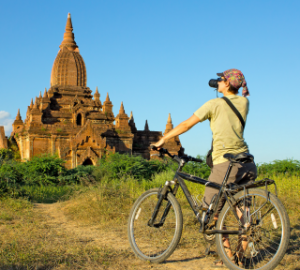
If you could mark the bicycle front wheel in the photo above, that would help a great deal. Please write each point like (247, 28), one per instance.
(154, 243)
(265, 242)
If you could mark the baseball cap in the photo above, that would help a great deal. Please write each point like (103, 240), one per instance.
(236, 79)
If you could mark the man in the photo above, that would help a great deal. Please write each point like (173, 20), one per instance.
(227, 136)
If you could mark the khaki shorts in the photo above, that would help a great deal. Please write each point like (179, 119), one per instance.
(241, 173)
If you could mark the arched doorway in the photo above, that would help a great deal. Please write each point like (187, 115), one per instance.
(79, 119)
(87, 162)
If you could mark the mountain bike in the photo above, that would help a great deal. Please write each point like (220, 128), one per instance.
(253, 222)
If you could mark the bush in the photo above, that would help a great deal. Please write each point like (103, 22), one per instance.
(199, 169)
(43, 170)
(10, 179)
(79, 175)
(118, 165)
(6, 155)
(48, 170)
(286, 166)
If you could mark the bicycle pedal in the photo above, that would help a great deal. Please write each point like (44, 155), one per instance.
(212, 225)
(213, 254)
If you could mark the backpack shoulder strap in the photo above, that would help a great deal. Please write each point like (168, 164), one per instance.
(235, 111)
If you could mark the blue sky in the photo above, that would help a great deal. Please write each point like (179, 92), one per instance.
(158, 56)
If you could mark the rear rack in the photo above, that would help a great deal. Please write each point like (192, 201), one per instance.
(260, 183)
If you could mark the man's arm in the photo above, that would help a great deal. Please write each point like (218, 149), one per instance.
(180, 129)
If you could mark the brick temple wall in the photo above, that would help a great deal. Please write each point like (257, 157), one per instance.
(3, 139)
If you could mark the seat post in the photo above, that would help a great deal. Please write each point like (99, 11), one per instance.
(227, 173)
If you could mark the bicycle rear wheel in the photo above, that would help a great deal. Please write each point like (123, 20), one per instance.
(265, 243)
(154, 244)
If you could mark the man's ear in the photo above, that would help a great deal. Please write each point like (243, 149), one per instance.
(227, 83)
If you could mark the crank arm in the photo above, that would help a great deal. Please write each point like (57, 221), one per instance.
(240, 232)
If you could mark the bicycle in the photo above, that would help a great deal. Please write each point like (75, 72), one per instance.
(253, 220)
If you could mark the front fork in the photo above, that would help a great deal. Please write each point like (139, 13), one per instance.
(161, 196)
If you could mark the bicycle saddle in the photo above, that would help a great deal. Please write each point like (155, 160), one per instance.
(242, 157)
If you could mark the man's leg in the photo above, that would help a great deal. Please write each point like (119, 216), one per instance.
(243, 239)
(217, 176)
(240, 174)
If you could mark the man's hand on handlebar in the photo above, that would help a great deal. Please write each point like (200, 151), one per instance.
(163, 151)
(159, 144)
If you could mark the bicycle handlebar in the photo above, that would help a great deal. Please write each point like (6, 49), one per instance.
(161, 151)
(165, 151)
(195, 159)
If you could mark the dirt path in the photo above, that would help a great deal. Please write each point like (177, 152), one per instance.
(116, 238)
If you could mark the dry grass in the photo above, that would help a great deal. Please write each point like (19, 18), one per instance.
(29, 241)
(88, 231)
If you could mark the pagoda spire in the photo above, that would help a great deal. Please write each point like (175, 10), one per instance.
(131, 123)
(97, 95)
(31, 104)
(169, 125)
(107, 98)
(40, 96)
(68, 40)
(122, 110)
(35, 103)
(122, 120)
(146, 126)
(107, 107)
(18, 117)
(18, 123)
(169, 119)
(45, 93)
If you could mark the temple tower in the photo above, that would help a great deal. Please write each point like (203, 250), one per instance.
(107, 107)
(68, 68)
(18, 123)
(173, 145)
(69, 121)
(146, 128)
(169, 125)
(122, 120)
(131, 123)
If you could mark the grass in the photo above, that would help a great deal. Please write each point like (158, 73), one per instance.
(48, 194)
(28, 242)
(28, 239)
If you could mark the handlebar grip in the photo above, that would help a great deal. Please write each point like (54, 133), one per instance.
(153, 147)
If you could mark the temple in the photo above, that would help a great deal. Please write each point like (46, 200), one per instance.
(69, 121)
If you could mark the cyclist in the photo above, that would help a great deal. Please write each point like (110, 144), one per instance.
(228, 137)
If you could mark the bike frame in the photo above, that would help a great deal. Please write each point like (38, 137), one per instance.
(178, 181)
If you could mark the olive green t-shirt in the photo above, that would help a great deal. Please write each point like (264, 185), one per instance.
(225, 125)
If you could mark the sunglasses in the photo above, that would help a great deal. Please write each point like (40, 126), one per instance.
(220, 80)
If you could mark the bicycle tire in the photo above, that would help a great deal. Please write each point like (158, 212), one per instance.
(150, 243)
(268, 237)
